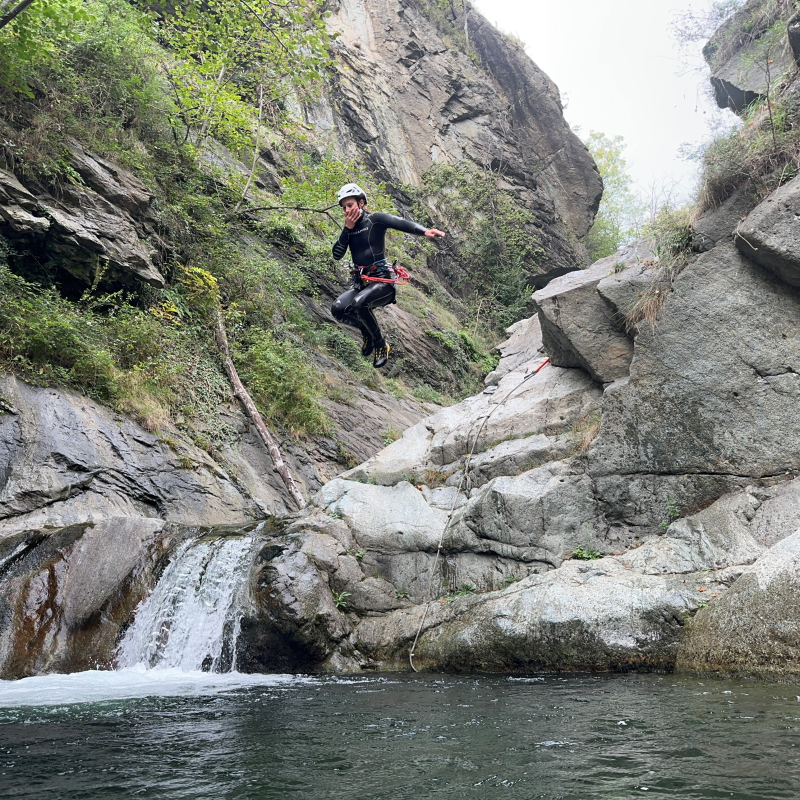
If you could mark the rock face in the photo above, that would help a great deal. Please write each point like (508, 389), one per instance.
(701, 402)
(769, 235)
(633, 504)
(65, 460)
(748, 52)
(688, 481)
(755, 628)
(409, 100)
(67, 592)
(101, 233)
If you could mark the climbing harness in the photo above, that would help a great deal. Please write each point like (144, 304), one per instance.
(402, 276)
(467, 460)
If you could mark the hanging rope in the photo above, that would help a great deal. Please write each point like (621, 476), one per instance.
(468, 458)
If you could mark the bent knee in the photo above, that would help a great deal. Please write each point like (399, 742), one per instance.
(338, 309)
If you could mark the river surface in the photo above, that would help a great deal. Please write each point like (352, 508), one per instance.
(171, 734)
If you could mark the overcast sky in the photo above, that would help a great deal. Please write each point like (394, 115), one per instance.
(620, 72)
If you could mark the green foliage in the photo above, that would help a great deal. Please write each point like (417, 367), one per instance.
(340, 599)
(427, 394)
(282, 382)
(498, 247)
(672, 512)
(314, 185)
(345, 349)
(447, 17)
(119, 356)
(671, 230)
(461, 345)
(586, 553)
(101, 85)
(34, 35)
(755, 26)
(226, 56)
(390, 435)
(464, 590)
(760, 156)
(619, 218)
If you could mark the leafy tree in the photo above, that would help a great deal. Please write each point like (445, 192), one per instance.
(30, 32)
(226, 56)
(621, 212)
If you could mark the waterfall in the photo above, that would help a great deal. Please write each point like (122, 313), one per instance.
(192, 618)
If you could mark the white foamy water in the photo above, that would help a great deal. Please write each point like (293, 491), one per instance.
(195, 611)
(96, 686)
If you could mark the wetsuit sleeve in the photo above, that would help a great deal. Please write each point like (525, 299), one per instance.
(397, 223)
(340, 245)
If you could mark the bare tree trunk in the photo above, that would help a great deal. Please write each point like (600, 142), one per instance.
(206, 124)
(250, 407)
(11, 15)
(255, 148)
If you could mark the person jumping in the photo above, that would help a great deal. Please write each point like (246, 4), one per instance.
(365, 234)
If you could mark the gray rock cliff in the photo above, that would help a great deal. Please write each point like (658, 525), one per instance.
(407, 100)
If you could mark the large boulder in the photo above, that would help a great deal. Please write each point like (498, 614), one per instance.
(539, 516)
(754, 628)
(578, 326)
(770, 235)
(595, 615)
(708, 405)
(550, 402)
(68, 592)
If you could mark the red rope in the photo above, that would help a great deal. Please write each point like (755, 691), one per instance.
(402, 278)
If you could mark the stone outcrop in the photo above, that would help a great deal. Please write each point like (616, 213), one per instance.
(66, 460)
(769, 234)
(754, 629)
(748, 53)
(408, 100)
(67, 592)
(631, 505)
(702, 401)
(579, 328)
(103, 231)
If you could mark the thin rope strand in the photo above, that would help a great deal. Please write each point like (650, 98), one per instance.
(468, 458)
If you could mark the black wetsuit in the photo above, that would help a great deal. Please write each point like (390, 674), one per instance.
(367, 249)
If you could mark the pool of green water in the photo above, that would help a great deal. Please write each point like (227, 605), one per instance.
(119, 735)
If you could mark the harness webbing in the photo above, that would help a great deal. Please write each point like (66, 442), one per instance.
(402, 275)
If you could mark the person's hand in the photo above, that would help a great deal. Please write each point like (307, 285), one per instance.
(433, 233)
(351, 215)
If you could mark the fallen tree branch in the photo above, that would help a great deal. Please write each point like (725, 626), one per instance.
(244, 398)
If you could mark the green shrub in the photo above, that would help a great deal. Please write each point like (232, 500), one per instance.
(282, 382)
(118, 357)
(494, 247)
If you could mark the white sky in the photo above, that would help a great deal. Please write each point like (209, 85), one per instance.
(620, 72)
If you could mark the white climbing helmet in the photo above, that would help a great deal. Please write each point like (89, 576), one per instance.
(351, 190)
